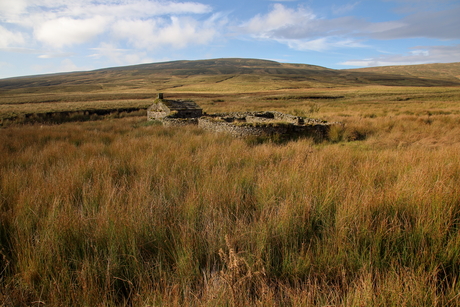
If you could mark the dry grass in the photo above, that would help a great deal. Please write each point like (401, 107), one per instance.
(121, 212)
(230, 82)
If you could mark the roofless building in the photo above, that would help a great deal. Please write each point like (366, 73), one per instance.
(173, 108)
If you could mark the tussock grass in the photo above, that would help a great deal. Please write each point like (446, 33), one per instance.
(120, 213)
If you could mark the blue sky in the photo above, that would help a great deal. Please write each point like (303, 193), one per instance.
(47, 36)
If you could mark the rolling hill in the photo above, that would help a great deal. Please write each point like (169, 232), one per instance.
(165, 75)
(229, 81)
(448, 72)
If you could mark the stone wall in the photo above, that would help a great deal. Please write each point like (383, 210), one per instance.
(245, 124)
(236, 129)
(179, 122)
(155, 115)
(269, 116)
(239, 129)
(173, 108)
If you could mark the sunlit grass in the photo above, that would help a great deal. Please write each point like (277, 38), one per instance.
(125, 212)
(117, 212)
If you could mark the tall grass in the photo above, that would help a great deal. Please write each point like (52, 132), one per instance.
(118, 213)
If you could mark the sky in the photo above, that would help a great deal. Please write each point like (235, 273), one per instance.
(50, 36)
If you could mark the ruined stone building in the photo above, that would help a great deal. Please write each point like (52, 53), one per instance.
(238, 124)
(162, 108)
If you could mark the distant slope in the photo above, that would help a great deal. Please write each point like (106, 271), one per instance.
(221, 67)
(163, 72)
(449, 72)
(220, 84)
(228, 75)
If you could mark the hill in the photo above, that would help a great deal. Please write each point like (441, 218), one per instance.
(448, 72)
(219, 84)
(271, 74)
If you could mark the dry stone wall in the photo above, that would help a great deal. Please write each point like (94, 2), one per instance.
(245, 124)
(236, 129)
(240, 129)
(179, 122)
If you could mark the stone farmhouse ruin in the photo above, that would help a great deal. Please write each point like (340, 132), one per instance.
(238, 124)
(162, 108)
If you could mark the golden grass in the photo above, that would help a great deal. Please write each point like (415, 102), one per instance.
(236, 81)
(122, 212)
(448, 71)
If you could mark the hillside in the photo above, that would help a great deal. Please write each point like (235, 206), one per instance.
(220, 85)
(220, 72)
(448, 72)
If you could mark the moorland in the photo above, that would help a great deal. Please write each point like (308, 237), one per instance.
(112, 210)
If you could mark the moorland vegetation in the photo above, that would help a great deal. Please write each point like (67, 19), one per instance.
(125, 212)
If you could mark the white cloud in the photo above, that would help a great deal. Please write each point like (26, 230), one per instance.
(9, 38)
(120, 56)
(300, 29)
(280, 17)
(138, 33)
(177, 32)
(314, 45)
(322, 44)
(420, 55)
(185, 31)
(67, 31)
(12, 7)
(53, 55)
(63, 23)
(301, 23)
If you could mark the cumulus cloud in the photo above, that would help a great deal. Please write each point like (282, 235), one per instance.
(177, 32)
(12, 8)
(132, 8)
(68, 31)
(301, 23)
(301, 29)
(10, 38)
(132, 31)
(417, 55)
(63, 23)
(280, 17)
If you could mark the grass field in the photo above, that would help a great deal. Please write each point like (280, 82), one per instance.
(125, 212)
(225, 83)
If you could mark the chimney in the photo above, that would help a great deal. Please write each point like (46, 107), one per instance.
(160, 95)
